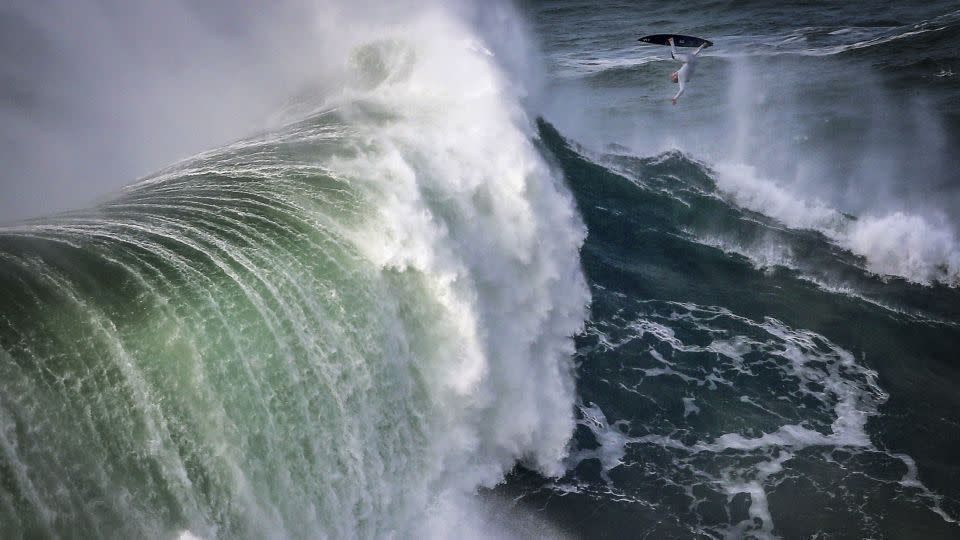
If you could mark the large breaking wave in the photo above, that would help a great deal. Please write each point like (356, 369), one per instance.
(339, 328)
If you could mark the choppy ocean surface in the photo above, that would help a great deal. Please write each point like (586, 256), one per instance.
(485, 281)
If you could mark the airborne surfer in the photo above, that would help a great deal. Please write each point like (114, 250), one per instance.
(682, 75)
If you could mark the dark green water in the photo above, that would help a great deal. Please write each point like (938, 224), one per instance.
(719, 398)
(775, 321)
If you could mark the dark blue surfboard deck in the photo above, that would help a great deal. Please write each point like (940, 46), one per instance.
(678, 40)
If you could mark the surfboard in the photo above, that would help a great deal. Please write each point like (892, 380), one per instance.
(678, 40)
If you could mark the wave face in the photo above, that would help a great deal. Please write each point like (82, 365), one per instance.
(340, 328)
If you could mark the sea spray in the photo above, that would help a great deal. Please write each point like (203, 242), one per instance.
(340, 328)
(921, 249)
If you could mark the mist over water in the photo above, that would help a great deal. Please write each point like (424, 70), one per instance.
(96, 94)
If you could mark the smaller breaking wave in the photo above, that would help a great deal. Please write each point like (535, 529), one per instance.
(920, 249)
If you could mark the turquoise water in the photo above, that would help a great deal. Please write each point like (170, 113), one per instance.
(310, 332)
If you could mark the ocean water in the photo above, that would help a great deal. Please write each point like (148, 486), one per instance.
(481, 279)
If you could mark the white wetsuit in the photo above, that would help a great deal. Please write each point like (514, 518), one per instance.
(686, 71)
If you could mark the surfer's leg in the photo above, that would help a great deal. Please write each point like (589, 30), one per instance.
(683, 87)
(683, 74)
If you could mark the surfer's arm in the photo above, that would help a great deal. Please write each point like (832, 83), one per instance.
(680, 91)
(683, 57)
(673, 50)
